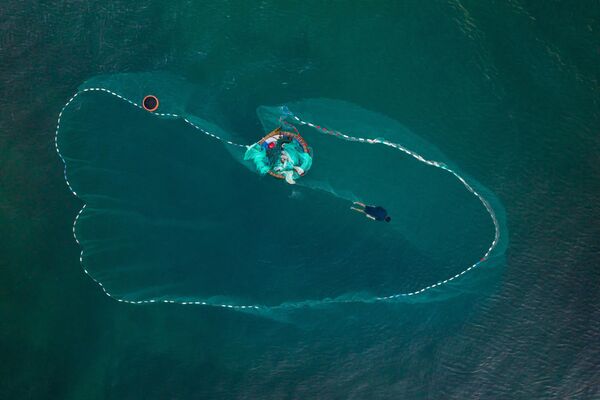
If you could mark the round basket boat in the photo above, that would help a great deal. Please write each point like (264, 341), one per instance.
(279, 134)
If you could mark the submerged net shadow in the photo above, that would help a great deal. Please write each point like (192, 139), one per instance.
(174, 214)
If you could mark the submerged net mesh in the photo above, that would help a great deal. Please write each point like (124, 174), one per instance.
(173, 213)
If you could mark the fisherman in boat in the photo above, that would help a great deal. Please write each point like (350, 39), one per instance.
(283, 155)
(286, 167)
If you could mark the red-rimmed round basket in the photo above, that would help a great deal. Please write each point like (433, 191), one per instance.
(150, 103)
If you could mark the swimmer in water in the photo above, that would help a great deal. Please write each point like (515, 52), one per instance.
(376, 213)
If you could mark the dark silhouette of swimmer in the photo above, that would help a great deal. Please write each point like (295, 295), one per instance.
(376, 213)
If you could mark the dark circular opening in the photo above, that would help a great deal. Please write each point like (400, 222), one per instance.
(150, 103)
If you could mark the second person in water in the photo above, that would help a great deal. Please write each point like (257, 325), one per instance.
(376, 213)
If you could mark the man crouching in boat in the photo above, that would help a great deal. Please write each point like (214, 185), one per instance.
(286, 167)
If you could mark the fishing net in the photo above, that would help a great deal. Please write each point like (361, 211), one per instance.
(175, 211)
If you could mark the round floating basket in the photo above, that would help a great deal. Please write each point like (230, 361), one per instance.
(284, 134)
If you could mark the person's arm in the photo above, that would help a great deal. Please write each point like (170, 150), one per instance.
(370, 216)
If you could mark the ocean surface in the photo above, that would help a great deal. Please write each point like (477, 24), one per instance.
(507, 91)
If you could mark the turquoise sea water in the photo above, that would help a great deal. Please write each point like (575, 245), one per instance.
(507, 91)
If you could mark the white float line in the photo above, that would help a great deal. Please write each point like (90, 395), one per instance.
(77, 217)
(436, 164)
